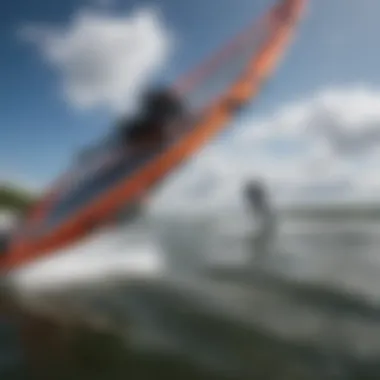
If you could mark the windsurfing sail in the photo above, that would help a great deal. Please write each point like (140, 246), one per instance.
(213, 93)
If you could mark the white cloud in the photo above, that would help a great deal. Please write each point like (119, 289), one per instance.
(103, 3)
(315, 165)
(320, 149)
(103, 59)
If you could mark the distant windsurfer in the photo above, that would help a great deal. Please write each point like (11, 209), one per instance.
(258, 201)
(257, 197)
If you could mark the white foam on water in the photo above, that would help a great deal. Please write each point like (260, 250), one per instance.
(8, 220)
(106, 254)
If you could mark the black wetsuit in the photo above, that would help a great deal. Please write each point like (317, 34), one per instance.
(160, 107)
(4, 242)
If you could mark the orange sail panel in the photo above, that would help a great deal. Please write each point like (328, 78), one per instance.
(214, 92)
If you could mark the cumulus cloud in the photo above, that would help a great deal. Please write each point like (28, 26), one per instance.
(346, 121)
(296, 150)
(103, 59)
(326, 148)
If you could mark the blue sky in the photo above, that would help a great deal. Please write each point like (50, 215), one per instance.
(335, 50)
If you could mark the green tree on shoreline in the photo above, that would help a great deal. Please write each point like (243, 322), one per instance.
(15, 199)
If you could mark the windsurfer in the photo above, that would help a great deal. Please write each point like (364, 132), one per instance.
(258, 201)
(162, 109)
(256, 195)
